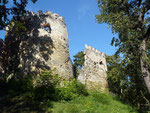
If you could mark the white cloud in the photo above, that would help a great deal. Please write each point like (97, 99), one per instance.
(85, 9)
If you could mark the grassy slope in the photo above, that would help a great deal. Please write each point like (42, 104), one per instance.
(22, 98)
(94, 103)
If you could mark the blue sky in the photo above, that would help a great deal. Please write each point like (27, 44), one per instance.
(80, 19)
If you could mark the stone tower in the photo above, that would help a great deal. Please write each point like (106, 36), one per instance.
(93, 73)
(44, 46)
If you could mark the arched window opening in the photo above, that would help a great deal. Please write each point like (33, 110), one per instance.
(47, 27)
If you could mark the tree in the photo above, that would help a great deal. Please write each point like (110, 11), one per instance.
(12, 16)
(125, 81)
(130, 20)
(78, 62)
(114, 74)
(16, 11)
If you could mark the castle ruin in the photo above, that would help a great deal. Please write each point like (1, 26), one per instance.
(44, 46)
(93, 73)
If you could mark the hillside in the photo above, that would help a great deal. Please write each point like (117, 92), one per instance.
(93, 103)
(47, 95)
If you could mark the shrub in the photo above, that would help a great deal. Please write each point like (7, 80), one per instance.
(45, 86)
(71, 89)
(50, 86)
(17, 86)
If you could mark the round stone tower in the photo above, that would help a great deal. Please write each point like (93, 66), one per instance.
(45, 45)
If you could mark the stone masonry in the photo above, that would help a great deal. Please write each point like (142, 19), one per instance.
(44, 46)
(93, 73)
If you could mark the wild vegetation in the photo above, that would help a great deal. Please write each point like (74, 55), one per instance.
(49, 93)
(14, 12)
(78, 63)
(128, 76)
(123, 81)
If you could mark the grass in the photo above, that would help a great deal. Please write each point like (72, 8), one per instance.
(49, 96)
(93, 103)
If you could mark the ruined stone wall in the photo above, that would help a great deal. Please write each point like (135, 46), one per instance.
(93, 73)
(44, 46)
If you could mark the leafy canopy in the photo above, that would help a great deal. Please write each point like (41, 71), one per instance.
(79, 59)
(78, 62)
(123, 17)
(131, 21)
(16, 11)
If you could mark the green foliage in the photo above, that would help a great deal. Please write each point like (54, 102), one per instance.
(48, 92)
(115, 76)
(129, 19)
(16, 11)
(17, 28)
(16, 86)
(101, 97)
(39, 87)
(78, 62)
(125, 82)
(45, 86)
(95, 102)
(79, 59)
(71, 90)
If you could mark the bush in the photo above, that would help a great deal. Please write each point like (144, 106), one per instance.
(48, 92)
(46, 86)
(71, 89)
(18, 86)
(42, 90)
(50, 86)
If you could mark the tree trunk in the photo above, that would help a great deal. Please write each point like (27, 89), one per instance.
(144, 66)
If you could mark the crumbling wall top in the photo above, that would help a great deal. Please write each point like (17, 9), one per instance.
(97, 52)
(47, 13)
(94, 55)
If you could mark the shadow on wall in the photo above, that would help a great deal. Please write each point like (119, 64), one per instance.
(25, 49)
(35, 52)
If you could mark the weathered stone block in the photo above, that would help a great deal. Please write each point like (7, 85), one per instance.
(47, 47)
(93, 74)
